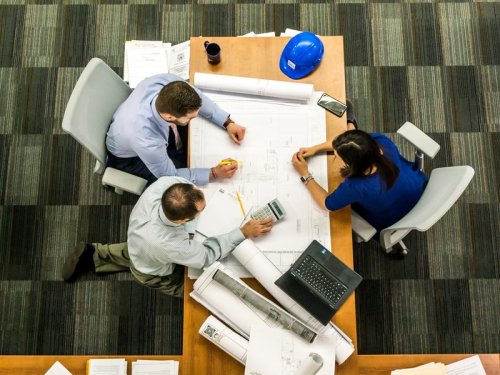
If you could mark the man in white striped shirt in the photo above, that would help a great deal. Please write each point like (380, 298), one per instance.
(159, 242)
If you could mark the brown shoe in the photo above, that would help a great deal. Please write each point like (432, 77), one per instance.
(81, 258)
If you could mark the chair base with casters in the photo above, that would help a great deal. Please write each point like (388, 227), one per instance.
(444, 188)
(96, 96)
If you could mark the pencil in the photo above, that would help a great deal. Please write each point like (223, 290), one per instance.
(230, 162)
(241, 203)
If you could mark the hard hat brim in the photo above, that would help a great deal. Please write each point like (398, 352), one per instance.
(294, 73)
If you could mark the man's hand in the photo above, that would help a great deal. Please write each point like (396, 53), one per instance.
(225, 169)
(256, 228)
(300, 164)
(236, 132)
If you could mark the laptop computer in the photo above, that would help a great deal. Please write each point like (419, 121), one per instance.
(319, 282)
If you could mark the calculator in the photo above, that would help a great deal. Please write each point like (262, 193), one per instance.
(273, 209)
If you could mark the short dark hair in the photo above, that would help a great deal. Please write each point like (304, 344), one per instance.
(179, 201)
(178, 98)
(360, 151)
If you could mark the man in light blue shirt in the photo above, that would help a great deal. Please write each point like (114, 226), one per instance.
(148, 134)
(159, 241)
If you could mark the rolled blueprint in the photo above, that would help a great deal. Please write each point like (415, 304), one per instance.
(238, 314)
(263, 304)
(266, 273)
(225, 338)
(310, 365)
(254, 86)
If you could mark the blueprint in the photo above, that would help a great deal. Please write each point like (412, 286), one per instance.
(274, 131)
(275, 351)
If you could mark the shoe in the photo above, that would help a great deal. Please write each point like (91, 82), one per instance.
(81, 258)
(350, 114)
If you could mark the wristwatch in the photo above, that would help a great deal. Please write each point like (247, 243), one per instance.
(306, 179)
(227, 122)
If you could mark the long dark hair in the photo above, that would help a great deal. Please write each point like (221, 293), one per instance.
(360, 152)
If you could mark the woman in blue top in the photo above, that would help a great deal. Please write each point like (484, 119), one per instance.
(380, 184)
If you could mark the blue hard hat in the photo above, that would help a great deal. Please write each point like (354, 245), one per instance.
(301, 55)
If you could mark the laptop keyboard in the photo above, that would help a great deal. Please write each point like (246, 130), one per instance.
(314, 275)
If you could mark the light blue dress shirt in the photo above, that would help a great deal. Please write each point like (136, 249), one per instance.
(155, 243)
(138, 130)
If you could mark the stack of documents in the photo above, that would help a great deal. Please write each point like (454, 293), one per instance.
(115, 366)
(145, 58)
(468, 366)
(147, 367)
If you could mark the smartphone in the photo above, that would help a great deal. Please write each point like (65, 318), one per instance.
(332, 105)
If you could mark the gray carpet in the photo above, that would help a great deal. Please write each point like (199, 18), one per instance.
(435, 63)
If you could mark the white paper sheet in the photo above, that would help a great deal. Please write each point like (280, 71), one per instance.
(254, 86)
(144, 59)
(113, 366)
(152, 367)
(431, 368)
(57, 369)
(221, 215)
(178, 59)
(225, 338)
(468, 366)
(275, 130)
(274, 351)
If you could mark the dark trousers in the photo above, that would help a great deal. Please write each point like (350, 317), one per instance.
(136, 166)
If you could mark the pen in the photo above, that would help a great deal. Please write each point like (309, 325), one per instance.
(230, 162)
(241, 203)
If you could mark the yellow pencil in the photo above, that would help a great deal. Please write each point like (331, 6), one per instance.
(230, 162)
(241, 204)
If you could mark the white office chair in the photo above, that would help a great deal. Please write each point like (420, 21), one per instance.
(445, 186)
(95, 98)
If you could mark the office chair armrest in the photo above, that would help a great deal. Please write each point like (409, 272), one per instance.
(361, 227)
(123, 181)
(419, 139)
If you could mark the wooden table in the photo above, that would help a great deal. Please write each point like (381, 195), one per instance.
(258, 57)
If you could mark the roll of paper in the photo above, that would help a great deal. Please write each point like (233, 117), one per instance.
(266, 273)
(282, 317)
(310, 365)
(225, 338)
(254, 86)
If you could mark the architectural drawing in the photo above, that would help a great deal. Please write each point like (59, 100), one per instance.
(274, 132)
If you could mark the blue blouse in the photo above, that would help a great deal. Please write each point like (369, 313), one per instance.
(369, 196)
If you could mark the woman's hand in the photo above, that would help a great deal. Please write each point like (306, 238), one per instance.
(300, 164)
(307, 152)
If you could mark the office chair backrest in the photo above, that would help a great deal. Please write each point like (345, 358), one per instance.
(445, 186)
(95, 98)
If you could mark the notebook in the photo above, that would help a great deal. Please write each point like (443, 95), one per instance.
(319, 282)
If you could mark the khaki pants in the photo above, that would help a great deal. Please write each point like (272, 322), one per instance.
(114, 258)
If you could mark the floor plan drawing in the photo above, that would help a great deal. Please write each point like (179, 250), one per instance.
(274, 132)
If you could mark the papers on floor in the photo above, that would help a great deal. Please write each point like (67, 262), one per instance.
(468, 366)
(58, 369)
(158, 367)
(114, 366)
(278, 351)
(144, 58)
